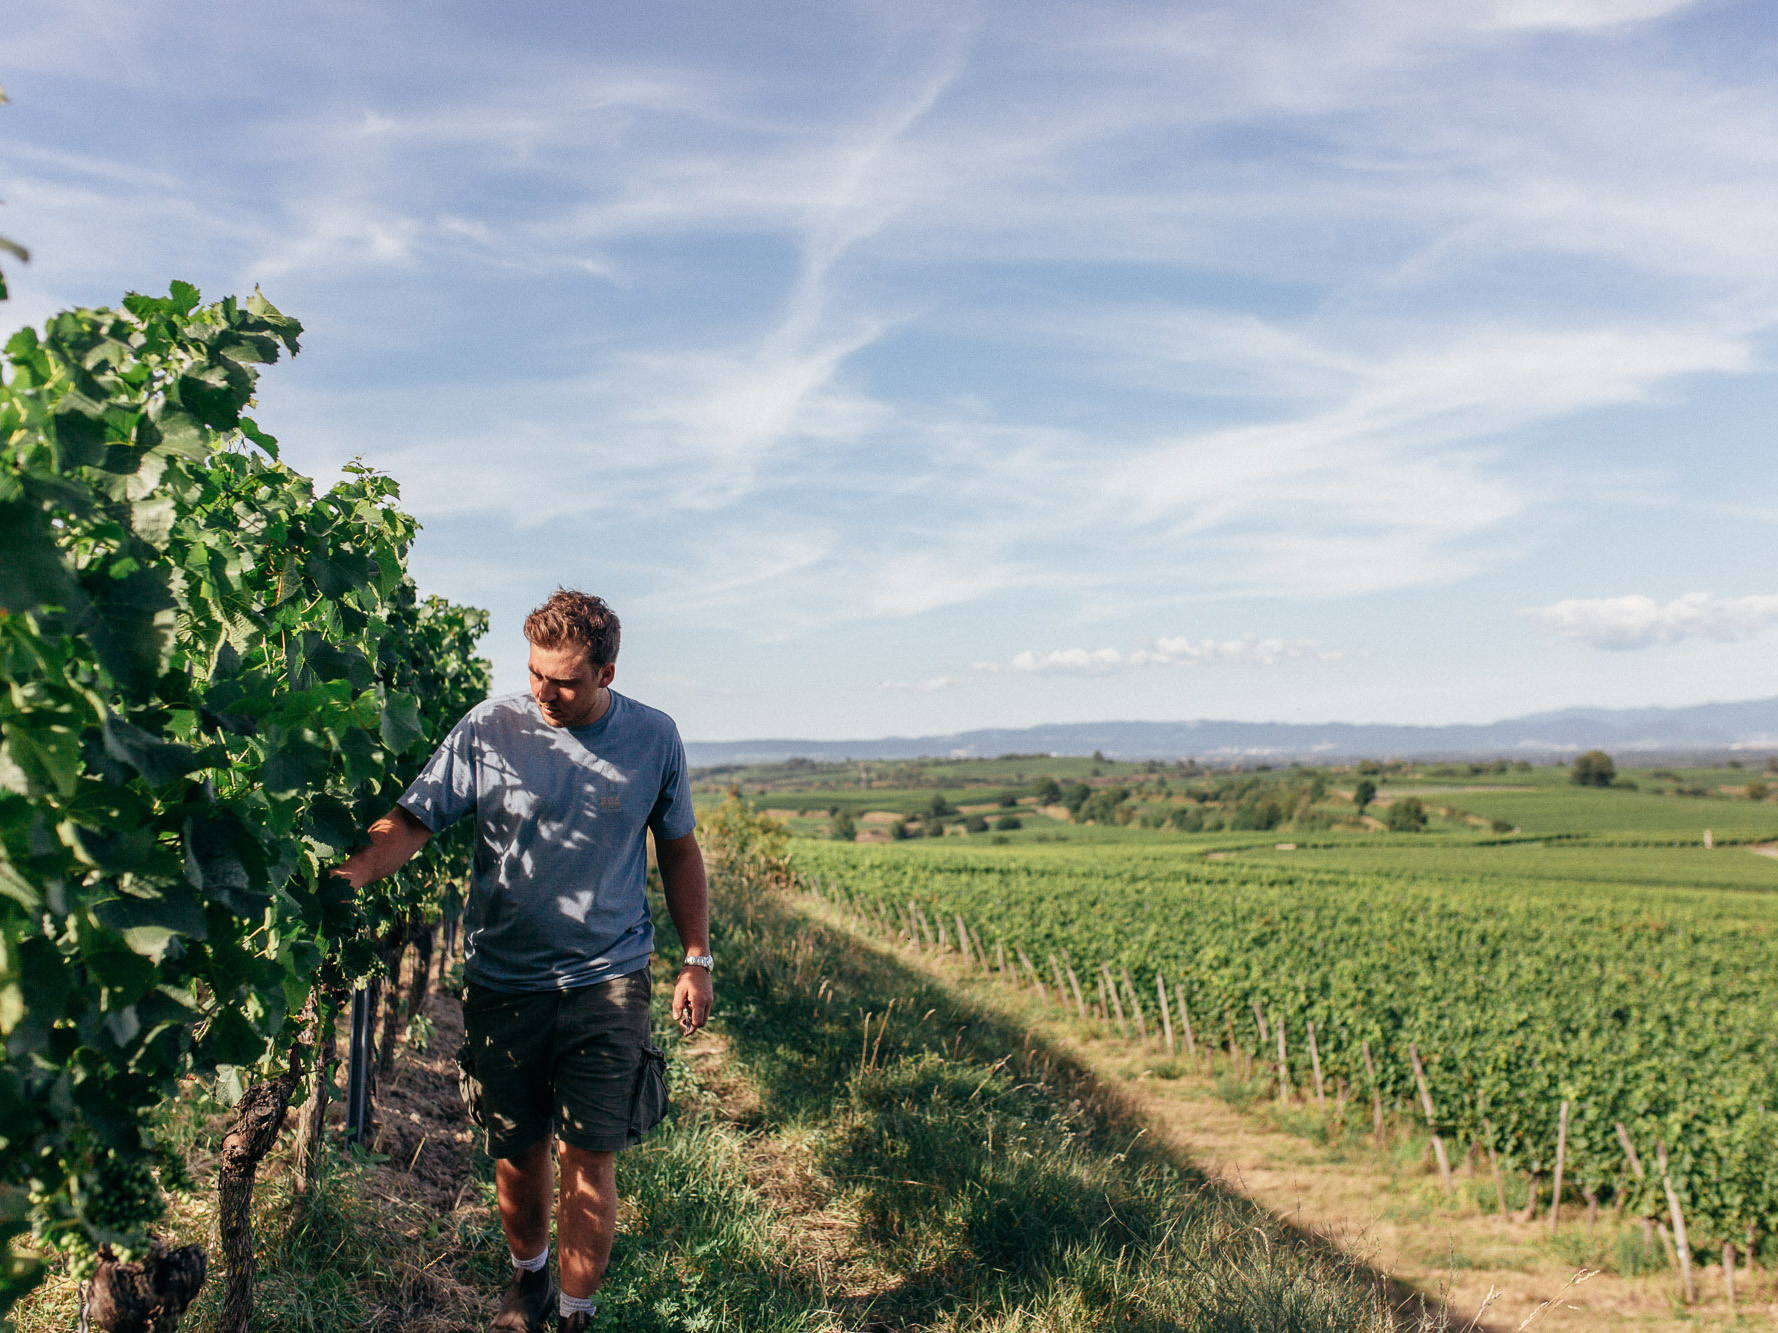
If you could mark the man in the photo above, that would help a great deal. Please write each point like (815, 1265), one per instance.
(565, 783)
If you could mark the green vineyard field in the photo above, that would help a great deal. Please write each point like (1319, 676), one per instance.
(1630, 816)
(1525, 976)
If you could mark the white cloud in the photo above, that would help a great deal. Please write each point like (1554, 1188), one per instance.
(1639, 622)
(930, 685)
(1179, 651)
(1581, 15)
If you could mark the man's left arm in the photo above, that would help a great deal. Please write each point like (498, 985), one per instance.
(688, 903)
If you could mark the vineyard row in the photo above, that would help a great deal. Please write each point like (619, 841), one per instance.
(1575, 1113)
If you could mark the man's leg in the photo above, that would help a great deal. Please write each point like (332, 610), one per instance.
(522, 1185)
(586, 1217)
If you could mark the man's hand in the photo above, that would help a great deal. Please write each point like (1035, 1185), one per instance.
(688, 903)
(392, 840)
(692, 997)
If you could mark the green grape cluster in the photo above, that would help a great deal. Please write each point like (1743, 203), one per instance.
(81, 1255)
(117, 1199)
(175, 1172)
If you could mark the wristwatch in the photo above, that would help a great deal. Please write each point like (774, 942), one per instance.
(702, 960)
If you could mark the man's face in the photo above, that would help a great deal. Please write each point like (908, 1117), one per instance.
(566, 685)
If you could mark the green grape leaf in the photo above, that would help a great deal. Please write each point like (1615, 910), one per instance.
(295, 765)
(232, 1040)
(401, 726)
(152, 520)
(156, 760)
(130, 623)
(32, 570)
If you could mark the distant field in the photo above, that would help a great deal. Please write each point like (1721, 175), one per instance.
(1558, 864)
(1571, 809)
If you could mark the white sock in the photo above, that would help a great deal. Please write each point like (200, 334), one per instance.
(577, 1304)
(532, 1265)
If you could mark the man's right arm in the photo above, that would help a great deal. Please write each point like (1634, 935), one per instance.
(393, 840)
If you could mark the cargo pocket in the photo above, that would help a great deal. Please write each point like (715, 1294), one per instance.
(468, 1086)
(648, 1102)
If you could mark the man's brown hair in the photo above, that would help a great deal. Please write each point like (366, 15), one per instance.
(576, 617)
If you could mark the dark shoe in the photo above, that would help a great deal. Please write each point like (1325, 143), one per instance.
(578, 1322)
(528, 1302)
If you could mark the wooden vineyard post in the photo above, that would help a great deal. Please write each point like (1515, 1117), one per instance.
(1561, 1161)
(1080, 1001)
(1370, 1069)
(1117, 1003)
(1025, 962)
(1438, 1144)
(1679, 1237)
(1259, 1020)
(1494, 1166)
(358, 1058)
(1160, 984)
(963, 941)
(1284, 1088)
(1000, 957)
(1728, 1271)
(1104, 1003)
(944, 943)
(1061, 987)
(1136, 1004)
(981, 954)
(1315, 1064)
(1185, 1021)
(1623, 1137)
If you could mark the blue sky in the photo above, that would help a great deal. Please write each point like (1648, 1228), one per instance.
(900, 368)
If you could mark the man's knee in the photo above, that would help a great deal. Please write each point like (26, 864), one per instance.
(585, 1161)
(527, 1170)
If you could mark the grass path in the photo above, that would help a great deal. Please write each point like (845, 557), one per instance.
(968, 1175)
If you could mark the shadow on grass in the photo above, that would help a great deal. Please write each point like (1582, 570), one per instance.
(1005, 1186)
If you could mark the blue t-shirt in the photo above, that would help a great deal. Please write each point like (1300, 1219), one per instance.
(559, 894)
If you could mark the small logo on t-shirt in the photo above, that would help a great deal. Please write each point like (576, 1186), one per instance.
(611, 802)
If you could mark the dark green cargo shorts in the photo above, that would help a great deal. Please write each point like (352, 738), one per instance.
(580, 1061)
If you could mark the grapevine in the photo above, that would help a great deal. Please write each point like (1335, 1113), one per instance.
(211, 686)
(1646, 1008)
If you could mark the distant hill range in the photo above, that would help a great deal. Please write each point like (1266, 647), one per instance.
(1700, 729)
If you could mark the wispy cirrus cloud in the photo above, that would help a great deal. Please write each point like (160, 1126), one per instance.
(1637, 621)
(1250, 651)
(1030, 316)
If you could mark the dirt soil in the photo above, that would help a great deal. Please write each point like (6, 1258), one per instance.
(1395, 1219)
(422, 1126)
